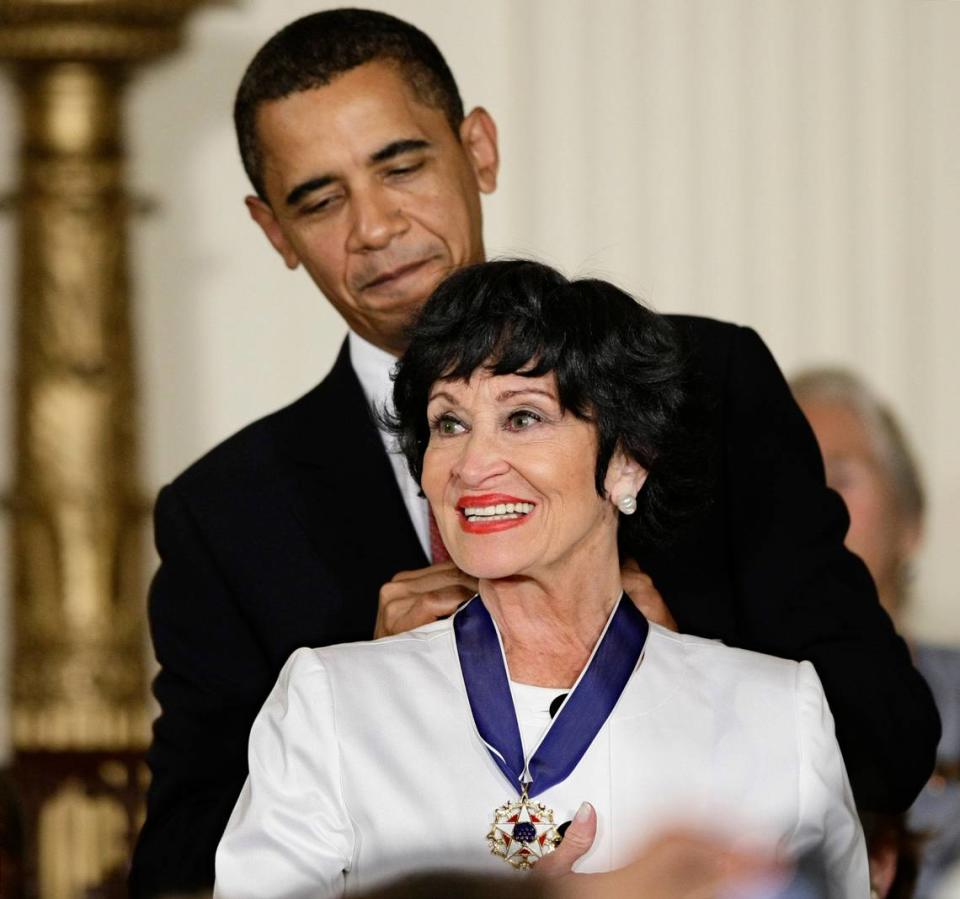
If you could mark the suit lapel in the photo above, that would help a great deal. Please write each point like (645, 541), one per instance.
(343, 490)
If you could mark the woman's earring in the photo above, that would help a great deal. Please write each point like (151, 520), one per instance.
(627, 504)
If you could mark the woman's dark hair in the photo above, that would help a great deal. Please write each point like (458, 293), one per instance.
(617, 365)
(314, 50)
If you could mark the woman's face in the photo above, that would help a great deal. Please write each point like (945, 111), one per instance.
(878, 533)
(510, 477)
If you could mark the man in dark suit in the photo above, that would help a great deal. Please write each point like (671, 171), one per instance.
(368, 173)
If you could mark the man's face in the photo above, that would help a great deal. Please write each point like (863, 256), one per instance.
(374, 194)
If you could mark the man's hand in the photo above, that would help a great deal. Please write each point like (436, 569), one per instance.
(418, 597)
(645, 596)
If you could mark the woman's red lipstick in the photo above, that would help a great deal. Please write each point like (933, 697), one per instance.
(491, 512)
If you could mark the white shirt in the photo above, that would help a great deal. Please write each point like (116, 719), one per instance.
(365, 765)
(373, 367)
(531, 705)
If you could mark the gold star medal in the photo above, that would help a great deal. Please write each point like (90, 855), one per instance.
(523, 832)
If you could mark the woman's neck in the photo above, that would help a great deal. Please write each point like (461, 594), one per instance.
(549, 631)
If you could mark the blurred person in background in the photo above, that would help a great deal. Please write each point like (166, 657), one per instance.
(894, 852)
(677, 864)
(869, 463)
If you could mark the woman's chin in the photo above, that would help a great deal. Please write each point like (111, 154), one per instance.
(487, 569)
(498, 574)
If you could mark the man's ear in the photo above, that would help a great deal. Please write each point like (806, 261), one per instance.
(263, 215)
(625, 476)
(478, 134)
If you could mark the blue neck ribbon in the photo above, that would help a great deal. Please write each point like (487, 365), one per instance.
(581, 716)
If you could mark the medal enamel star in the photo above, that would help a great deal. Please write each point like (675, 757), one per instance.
(523, 832)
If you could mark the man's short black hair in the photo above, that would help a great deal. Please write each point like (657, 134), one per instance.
(617, 364)
(312, 51)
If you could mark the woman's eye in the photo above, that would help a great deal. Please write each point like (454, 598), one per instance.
(522, 420)
(447, 426)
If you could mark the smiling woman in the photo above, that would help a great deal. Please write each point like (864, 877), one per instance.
(541, 364)
(502, 442)
(541, 416)
(549, 397)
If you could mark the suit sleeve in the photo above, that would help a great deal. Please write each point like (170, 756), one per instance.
(213, 678)
(827, 820)
(290, 834)
(800, 594)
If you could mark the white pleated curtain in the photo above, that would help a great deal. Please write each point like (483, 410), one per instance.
(788, 165)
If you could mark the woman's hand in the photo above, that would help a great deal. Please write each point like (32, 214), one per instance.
(639, 587)
(576, 841)
(418, 597)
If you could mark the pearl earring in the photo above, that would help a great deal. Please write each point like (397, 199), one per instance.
(627, 504)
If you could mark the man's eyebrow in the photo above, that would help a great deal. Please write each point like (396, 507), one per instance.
(398, 148)
(301, 190)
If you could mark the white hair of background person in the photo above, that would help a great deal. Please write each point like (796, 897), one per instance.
(838, 385)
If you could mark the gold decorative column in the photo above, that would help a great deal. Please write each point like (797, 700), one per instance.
(79, 706)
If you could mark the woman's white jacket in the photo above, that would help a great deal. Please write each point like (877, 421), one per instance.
(365, 765)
